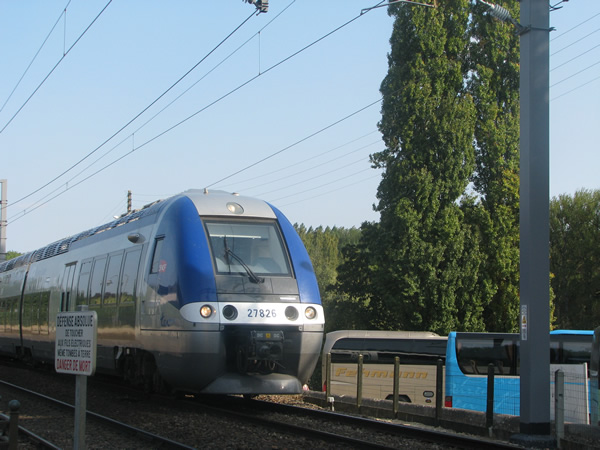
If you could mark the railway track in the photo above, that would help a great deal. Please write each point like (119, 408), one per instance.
(138, 421)
(111, 430)
(391, 435)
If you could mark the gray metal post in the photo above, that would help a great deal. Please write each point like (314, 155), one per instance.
(80, 411)
(3, 205)
(396, 384)
(13, 428)
(489, 410)
(559, 405)
(439, 390)
(328, 396)
(534, 220)
(359, 382)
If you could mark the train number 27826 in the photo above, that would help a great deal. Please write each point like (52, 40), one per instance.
(263, 313)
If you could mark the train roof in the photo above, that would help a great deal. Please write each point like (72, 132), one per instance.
(222, 203)
(208, 203)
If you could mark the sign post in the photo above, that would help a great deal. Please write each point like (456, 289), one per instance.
(76, 336)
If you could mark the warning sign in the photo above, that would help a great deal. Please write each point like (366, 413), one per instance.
(524, 320)
(76, 342)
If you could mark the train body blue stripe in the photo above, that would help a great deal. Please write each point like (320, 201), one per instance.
(305, 274)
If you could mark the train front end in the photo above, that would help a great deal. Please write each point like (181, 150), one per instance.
(249, 294)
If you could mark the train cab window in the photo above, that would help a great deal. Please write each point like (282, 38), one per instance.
(156, 255)
(239, 246)
(112, 279)
(97, 281)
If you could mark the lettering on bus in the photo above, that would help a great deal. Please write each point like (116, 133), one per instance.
(345, 372)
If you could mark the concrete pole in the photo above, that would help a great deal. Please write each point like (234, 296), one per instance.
(534, 220)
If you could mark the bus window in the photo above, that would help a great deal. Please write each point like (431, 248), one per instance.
(474, 355)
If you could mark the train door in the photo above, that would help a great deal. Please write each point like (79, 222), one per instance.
(151, 300)
(67, 287)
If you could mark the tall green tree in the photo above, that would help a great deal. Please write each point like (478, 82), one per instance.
(325, 247)
(421, 261)
(493, 82)
(575, 258)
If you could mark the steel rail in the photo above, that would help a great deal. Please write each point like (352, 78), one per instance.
(107, 420)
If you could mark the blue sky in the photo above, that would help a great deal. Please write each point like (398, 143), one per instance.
(296, 132)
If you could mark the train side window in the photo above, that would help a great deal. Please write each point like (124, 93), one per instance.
(156, 255)
(82, 284)
(97, 281)
(129, 276)
(112, 279)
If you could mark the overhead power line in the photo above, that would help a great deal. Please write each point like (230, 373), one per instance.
(288, 176)
(67, 188)
(64, 12)
(55, 66)
(575, 27)
(295, 143)
(575, 88)
(135, 117)
(575, 42)
(575, 74)
(322, 194)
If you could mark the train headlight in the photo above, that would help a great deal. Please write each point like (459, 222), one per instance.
(291, 313)
(235, 208)
(310, 313)
(206, 311)
(230, 312)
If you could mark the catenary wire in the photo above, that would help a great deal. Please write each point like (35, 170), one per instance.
(55, 66)
(320, 186)
(64, 11)
(575, 42)
(361, 160)
(573, 28)
(575, 57)
(294, 144)
(354, 183)
(575, 88)
(295, 174)
(67, 188)
(204, 76)
(262, 175)
(575, 74)
(136, 116)
(193, 115)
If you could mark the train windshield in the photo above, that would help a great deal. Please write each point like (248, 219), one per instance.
(251, 248)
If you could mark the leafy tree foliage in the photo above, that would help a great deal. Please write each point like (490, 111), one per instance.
(575, 258)
(417, 268)
(325, 247)
(494, 84)
(12, 254)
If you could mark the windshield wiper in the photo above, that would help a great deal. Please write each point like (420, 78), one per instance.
(228, 252)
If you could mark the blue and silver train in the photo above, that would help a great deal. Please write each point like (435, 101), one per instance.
(205, 292)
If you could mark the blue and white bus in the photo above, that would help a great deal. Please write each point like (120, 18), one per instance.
(469, 354)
